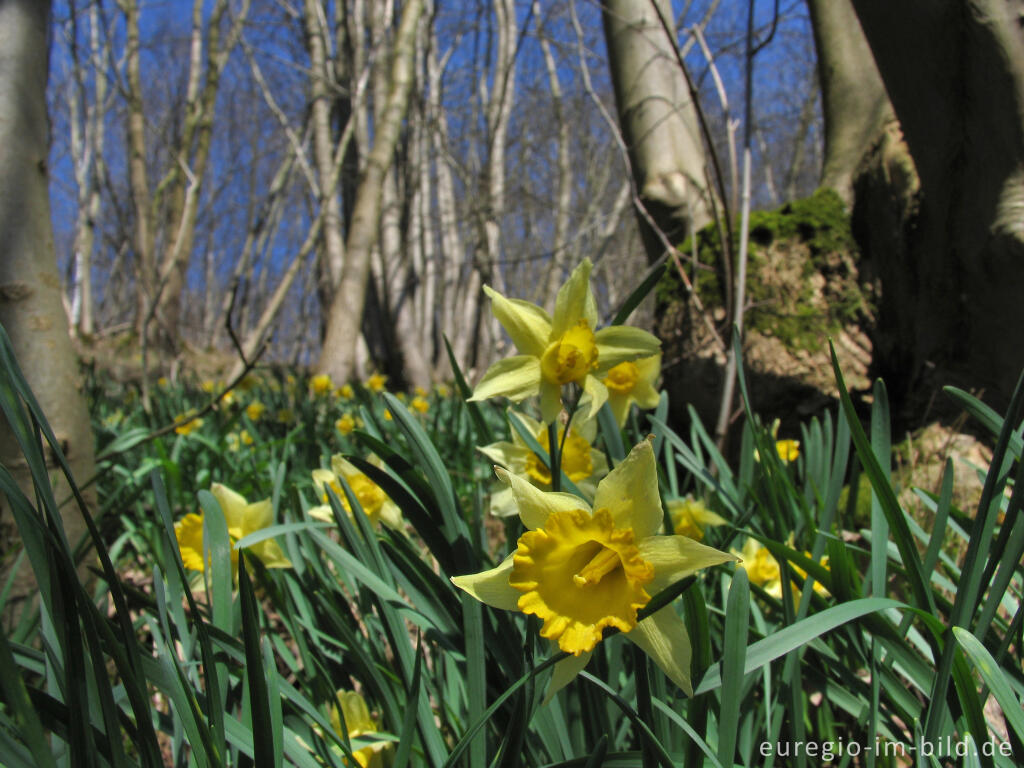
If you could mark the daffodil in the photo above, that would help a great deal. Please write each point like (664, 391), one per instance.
(581, 462)
(375, 503)
(560, 350)
(242, 518)
(255, 410)
(631, 382)
(321, 384)
(189, 422)
(358, 723)
(788, 450)
(345, 391)
(345, 424)
(582, 569)
(420, 403)
(236, 440)
(691, 516)
(376, 382)
(761, 566)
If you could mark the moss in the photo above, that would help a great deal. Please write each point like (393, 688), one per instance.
(785, 307)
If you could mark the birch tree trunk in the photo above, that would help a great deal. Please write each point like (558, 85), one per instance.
(658, 120)
(31, 308)
(344, 322)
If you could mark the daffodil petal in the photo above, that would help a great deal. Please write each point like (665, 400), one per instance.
(550, 401)
(270, 553)
(232, 504)
(535, 505)
(515, 377)
(531, 425)
(342, 467)
(620, 407)
(663, 637)
(503, 503)
(619, 343)
(391, 515)
(258, 515)
(574, 301)
(321, 512)
(595, 394)
(527, 325)
(630, 493)
(505, 453)
(491, 586)
(675, 557)
(565, 672)
(646, 396)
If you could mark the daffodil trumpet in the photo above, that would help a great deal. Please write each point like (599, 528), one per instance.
(583, 569)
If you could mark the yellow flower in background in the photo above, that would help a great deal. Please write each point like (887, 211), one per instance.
(236, 440)
(248, 382)
(285, 416)
(788, 450)
(375, 503)
(761, 566)
(208, 386)
(190, 426)
(419, 392)
(560, 350)
(581, 462)
(442, 390)
(320, 384)
(346, 391)
(376, 382)
(387, 415)
(255, 410)
(691, 516)
(345, 424)
(358, 722)
(581, 569)
(420, 403)
(163, 382)
(242, 518)
(631, 382)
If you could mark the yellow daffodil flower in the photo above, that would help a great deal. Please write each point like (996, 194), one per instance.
(375, 503)
(190, 426)
(208, 386)
(788, 450)
(631, 382)
(581, 463)
(345, 424)
(691, 516)
(419, 392)
(255, 410)
(376, 382)
(321, 384)
(346, 391)
(420, 403)
(236, 440)
(581, 569)
(358, 723)
(163, 382)
(559, 350)
(242, 518)
(761, 566)
(442, 390)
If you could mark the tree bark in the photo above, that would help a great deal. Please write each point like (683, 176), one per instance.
(338, 355)
(952, 283)
(31, 308)
(855, 106)
(658, 120)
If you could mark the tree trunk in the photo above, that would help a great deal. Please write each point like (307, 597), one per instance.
(338, 355)
(855, 106)
(31, 309)
(658, 120)
(953, 280)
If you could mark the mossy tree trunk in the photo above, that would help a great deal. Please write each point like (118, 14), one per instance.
(31, 309)
(951, 265)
